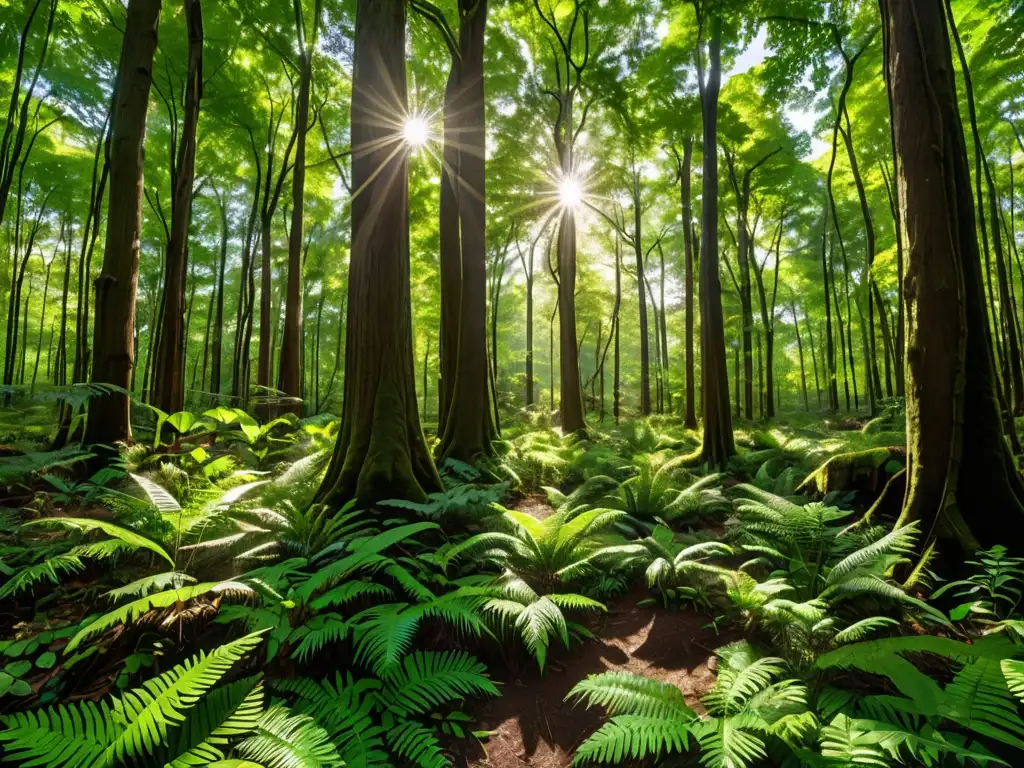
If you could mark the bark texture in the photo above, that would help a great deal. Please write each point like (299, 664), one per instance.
(962, 484)
(113, 339)
(381, 452)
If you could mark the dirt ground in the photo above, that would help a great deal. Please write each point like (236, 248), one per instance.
(532, 725)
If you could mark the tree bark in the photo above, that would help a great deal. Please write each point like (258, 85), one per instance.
(690, 414)
(381, 452)
(169, 374)
(289, 379)
(959, 466)
(718, 444)
(113, 347)
(469, 426)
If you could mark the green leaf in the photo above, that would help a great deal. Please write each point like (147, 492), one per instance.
(46, 660)
(182, 421)
(130, 537)
(18, 668)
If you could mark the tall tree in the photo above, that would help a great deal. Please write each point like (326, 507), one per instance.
(113, 340)
(169, 374)
(381, 451)
(289, 379)
(959, 465)
(718, 444)
(570, 57)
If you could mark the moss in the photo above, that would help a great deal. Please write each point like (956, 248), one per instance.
(862, 471)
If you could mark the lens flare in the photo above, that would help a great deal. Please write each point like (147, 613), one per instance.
(570, 193)
(415, 132)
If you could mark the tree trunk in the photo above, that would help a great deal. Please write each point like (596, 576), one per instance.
(645, 355)
(469, 426)
(718, 444)
(959, 467)
(289, 379)
(381, 452)
(113, 353)
(690, 416)
(800, 353)
(830, 349)
(814, 357)
(666, 384)
(169, 374)
(616, 373)
(450, 247)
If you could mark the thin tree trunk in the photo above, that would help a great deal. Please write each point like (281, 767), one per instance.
(690, 417)
(42, 318)
(800, 353)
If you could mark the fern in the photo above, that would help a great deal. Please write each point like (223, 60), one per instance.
(1014, 673)
(50, 569)
(148, 584)
(284, 740)
(428, 679)
(634, 737)
(134, 610)
(158, 496)
(130, 538)
(221, 716)
(175, 704)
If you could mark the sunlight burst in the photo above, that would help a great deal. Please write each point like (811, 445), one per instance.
(416, 132)
(570, 193)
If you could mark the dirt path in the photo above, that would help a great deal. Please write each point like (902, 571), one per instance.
(532, 725)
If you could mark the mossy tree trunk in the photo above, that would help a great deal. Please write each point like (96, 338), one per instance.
(962, 483)
(114, 328)
(381, 452)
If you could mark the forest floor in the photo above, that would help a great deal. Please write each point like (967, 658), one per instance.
(532, 724)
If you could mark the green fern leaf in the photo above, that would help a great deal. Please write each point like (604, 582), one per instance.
(158, 496)
(146, 713)
(50, 569)
(428, 679)
(70, 735)
(133, 610)
(129, 537)
(284, 740)
(634, 737)
(221, 716)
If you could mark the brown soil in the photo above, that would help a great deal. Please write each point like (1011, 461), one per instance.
(532, 725)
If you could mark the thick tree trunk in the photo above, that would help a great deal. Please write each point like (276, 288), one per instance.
(718, 443)
(469, 426)
(169, 374)
(959, 467)
(381, 452)
(113, 341)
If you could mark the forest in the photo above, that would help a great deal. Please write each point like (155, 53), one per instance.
(502, 383)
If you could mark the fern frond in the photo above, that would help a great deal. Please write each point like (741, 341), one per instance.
(147, 584)
(861, 629)
(129, 537)
(145, 713)
(634, 737)
(50, 569)
(1014, 673)
(284, 740)
(623, 693)
(132, 611)
(428, 679)
(417, 745)
(72, 735)
(541, 619)
(318, 632)
(158, 496)
(899, 541)
(220, 716)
